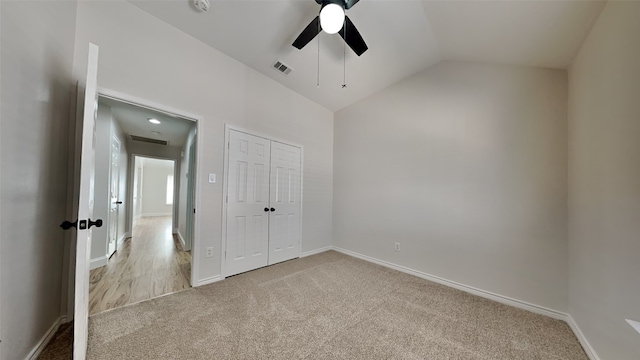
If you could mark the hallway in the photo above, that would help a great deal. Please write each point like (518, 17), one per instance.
(149, 264)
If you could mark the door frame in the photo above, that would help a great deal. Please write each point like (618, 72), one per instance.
(198, 120)
(225, 185)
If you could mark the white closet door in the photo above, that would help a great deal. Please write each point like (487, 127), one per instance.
(248, 203)
(285, 190)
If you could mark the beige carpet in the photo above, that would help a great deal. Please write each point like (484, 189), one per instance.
(327, 306)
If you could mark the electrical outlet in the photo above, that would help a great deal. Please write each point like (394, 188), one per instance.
(209, 252)
(397, 247)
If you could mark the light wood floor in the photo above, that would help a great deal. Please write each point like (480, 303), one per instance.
(149, 264)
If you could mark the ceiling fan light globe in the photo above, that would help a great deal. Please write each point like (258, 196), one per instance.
(331, 18)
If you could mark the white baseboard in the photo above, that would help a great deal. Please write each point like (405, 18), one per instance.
(588, 349)
(98, 262)
(155, 214)
(184, 244)
(37, 350)
(316, 251)
(209, 280)
(591, 353)
(470, 289)
(122, 239)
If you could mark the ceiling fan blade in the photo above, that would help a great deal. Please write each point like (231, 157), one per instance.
(353, 38)
(319, 2)
(308, 33)
(348, 4)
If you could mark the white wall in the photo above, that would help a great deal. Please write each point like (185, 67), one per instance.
(465, 165)
(604, 183)
(37, 40)
(186, 74)
(154, 189)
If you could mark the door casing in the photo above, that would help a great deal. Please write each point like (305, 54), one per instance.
(151, 105)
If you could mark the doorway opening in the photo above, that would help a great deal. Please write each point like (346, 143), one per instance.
(148, 185)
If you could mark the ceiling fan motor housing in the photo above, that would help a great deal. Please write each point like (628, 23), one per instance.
(345, 28)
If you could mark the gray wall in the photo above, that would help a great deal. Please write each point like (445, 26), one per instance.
(186, 74)
(604, 183)
(465, 165)
(37, 45)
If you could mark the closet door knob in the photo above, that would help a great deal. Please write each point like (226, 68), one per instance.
(272, 209)
(266, 209)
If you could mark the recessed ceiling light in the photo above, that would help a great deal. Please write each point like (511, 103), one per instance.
(154, 121)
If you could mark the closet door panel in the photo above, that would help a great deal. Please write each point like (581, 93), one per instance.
(248, 195)
(285, 190)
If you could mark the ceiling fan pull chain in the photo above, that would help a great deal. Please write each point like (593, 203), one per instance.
(344, 56)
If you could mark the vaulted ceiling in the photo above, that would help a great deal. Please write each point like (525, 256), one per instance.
(404, 37)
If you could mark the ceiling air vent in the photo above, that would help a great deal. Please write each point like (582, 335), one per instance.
(148, 140)
(282, 67)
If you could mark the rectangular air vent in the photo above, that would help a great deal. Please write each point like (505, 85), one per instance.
(148, 140)
(282, 67)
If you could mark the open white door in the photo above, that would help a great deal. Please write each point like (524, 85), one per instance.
(114, 191)
(85, 208)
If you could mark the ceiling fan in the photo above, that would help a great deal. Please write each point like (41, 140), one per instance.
(333, 20)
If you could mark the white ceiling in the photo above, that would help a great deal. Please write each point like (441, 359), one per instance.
(134, 120)
(404, 37)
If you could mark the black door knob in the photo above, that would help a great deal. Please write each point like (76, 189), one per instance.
(266, 209)
(66, 225)
(118, 202)
(272, 209)
(97, 223)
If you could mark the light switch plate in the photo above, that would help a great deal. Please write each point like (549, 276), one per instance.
(212, 178)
